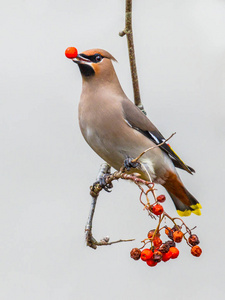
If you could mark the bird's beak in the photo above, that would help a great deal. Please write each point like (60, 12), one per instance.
(84, 64)
(81, 60)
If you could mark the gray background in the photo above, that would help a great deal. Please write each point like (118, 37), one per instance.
(47, 168)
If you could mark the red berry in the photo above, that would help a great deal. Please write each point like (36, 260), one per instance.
(151, 262)
(157, 209)
(71, 52)
(176, 227)
(174, 251)
(164, 248)
(135, 253)
(146, 254)
(157, 242)
(193, 240)
(177, 236)
(167, 230)
(151, 233)
(170, 243)
(157, 256)
(196, 251)
(161, 198)
(166, 256)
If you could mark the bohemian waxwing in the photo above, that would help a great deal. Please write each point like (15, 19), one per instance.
(116, 129)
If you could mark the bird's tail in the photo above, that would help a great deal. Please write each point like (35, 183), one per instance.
(185, 210)
(184, 202)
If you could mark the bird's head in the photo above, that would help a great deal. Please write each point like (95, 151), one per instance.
(95, 64)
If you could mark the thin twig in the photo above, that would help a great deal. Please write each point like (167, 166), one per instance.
(130, 43)
(105, 243)
(96, 189)
(153, 147)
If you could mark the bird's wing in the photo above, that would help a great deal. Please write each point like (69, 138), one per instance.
(137, 120)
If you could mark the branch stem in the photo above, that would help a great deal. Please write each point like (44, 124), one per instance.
(128, 31)
(91, 242)
(102, 243)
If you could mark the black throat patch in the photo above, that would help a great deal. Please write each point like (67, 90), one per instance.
(86, 70)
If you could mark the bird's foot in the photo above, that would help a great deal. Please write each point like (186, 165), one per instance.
(103, 184)
(129, 163)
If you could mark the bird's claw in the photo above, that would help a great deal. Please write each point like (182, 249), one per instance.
(103, 184)
(129, 163)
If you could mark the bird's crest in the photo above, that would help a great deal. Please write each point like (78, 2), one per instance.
(102, 52)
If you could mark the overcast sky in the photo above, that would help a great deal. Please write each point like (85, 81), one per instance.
(47, 167)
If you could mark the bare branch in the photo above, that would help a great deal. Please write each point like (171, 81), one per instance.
(129, 33)
(91, 242)
(106, 243)
(95, 189)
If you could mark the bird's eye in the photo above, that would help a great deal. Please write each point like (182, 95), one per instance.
(98, 58)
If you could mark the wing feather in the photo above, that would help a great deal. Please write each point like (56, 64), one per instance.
(137, 120)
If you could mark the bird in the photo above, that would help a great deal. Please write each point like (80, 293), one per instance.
(116, 129)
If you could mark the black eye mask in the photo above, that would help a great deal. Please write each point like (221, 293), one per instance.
(93, 58)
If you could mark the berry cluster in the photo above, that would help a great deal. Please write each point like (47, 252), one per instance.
(158, 250)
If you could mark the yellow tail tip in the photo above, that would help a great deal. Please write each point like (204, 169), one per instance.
(196, 210)
(196, 206)
(184, 213)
